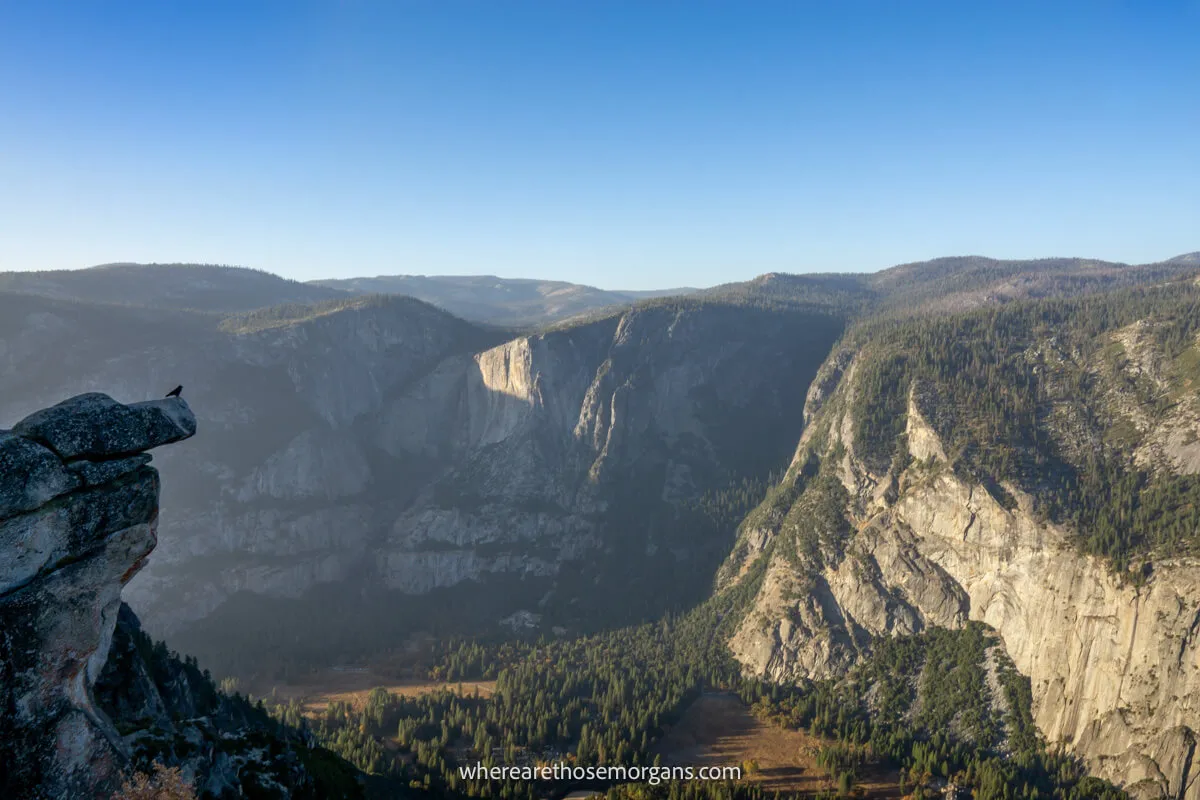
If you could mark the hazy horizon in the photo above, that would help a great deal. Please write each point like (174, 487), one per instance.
(550, 278)
(604, 287)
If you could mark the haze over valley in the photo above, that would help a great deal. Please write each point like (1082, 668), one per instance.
(458, 400)
(833, 460)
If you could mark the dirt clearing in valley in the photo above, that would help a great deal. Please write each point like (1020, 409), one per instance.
(353, 687)
(719, 730)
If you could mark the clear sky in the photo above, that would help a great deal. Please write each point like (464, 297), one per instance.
(623, 144)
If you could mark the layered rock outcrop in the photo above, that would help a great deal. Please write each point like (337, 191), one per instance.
(1114, 663)
(78, 516)
(85, 696)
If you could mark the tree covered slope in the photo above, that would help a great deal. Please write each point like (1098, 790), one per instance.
(1030, 465)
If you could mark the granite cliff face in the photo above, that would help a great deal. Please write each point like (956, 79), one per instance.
(857, 549)
(545, 436)
(86, 698)
(378, 444)
(78, 516)
(387, 452)
(385, 446)
(278, 495)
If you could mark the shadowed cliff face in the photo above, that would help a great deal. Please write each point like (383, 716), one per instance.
(550, 472)
(279, 489)
(78, 513)
(559, 446)
(388, 448)
(382, 446)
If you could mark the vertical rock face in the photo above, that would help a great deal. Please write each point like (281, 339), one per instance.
(389, 447)
(279, 494)
(78, 515)
(1115, 668)
(562, 446)
(1114, 664)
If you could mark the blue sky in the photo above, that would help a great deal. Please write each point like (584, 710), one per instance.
(623, 144)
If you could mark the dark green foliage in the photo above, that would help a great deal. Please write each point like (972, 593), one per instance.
(1122, 512)
(845, 295)
(1013, 393)
(947, 283)
(879, 407)
(691, 790)
(817, 523)
(725, 509)
(949, 728)
(606, 699)
(952, 690)
(292, 313)
(176, 716)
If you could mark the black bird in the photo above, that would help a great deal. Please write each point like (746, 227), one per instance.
(175, 392)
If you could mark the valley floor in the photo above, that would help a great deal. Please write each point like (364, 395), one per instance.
(316, 692)
(719, 730)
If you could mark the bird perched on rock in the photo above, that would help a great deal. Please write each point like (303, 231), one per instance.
(175, 392)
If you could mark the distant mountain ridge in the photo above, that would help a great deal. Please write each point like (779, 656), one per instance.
(230, 289)
(361, 412)
(946, 284)
(953, 283)
(488, 298)
(196, 287)
(374, 468)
